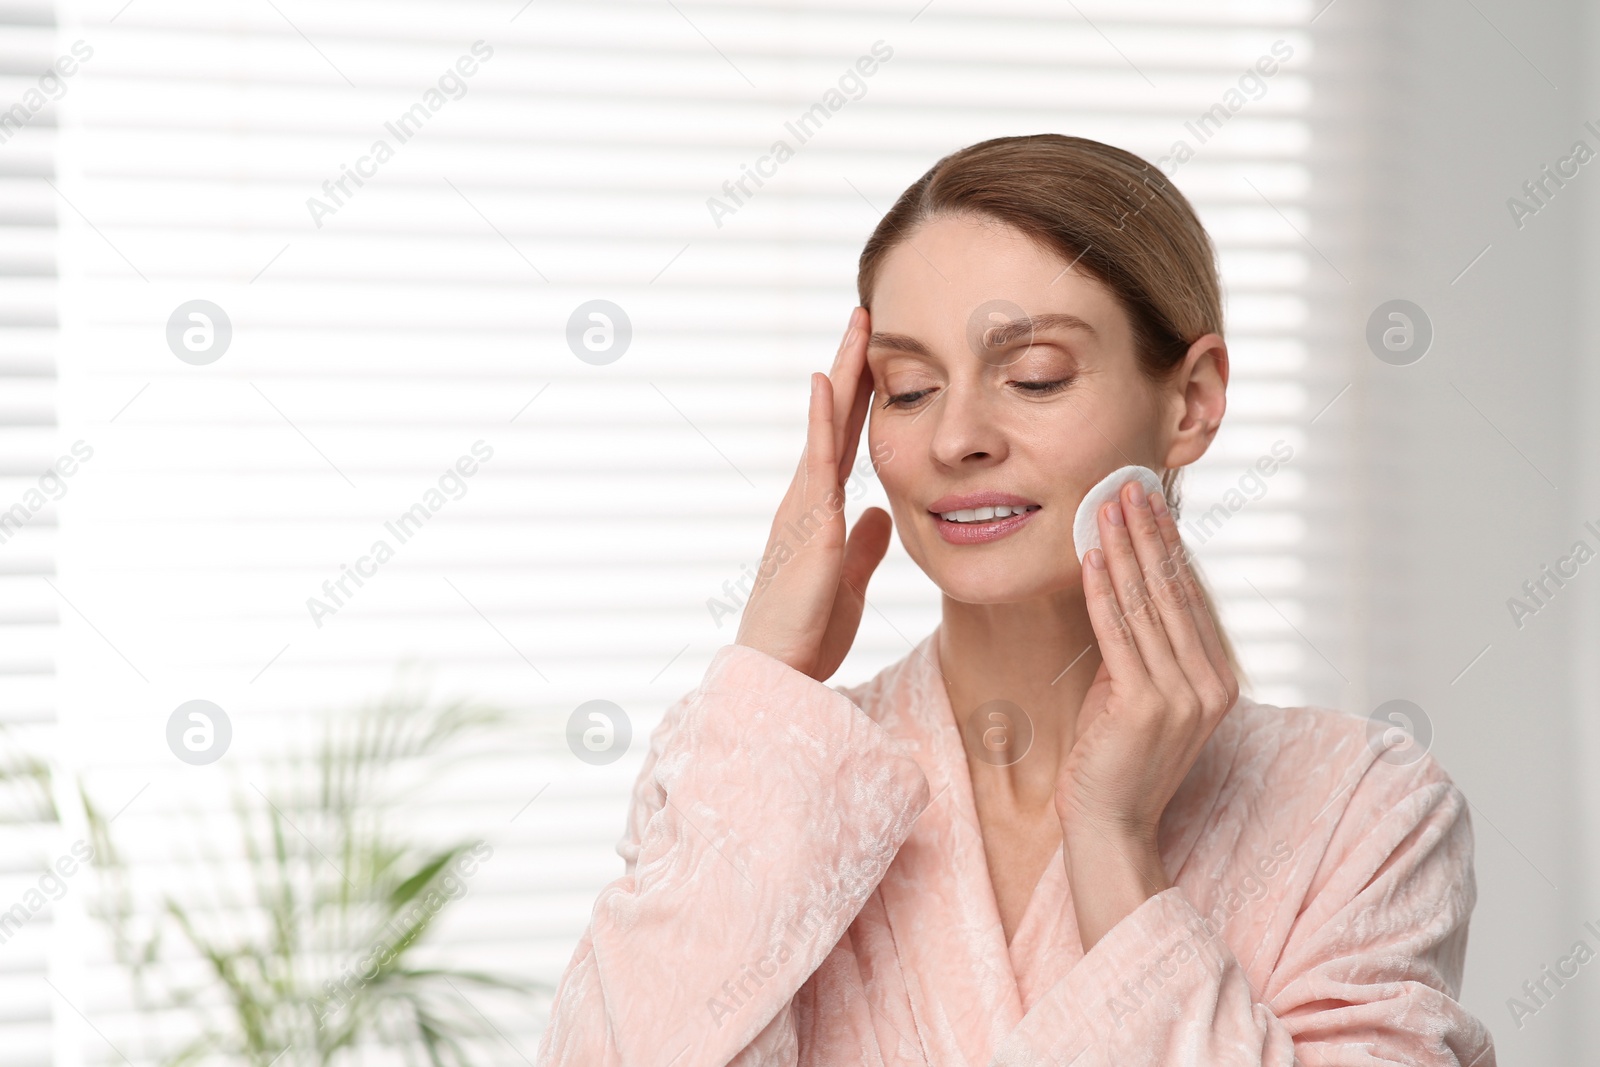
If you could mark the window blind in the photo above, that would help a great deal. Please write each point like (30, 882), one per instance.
(522, 238)
(30, 836)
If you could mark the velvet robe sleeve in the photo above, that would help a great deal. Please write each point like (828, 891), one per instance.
(1368, 975)
(768, 809)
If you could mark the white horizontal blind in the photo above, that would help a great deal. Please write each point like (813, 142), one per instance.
(381, 328)
(30, 841)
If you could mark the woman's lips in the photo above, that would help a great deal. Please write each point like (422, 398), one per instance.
(977, 533)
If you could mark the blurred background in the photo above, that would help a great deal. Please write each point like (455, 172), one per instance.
(396, 394)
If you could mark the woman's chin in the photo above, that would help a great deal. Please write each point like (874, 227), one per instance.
(991, 585)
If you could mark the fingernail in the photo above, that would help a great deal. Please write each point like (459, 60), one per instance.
(1096, 559)
(1136, 494)
(1114, 513)
(1158, 503)
(813, 386)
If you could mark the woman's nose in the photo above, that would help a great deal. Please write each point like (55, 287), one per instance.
(966, 430)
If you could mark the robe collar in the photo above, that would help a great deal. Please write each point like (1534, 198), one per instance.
(968, 989)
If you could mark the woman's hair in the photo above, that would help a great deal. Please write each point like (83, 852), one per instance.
(1101, 208)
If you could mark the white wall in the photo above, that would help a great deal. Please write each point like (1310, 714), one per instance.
(1460, 453)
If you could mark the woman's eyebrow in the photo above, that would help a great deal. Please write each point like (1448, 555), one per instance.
(998, 334)
(898, 342)
(1006, 332)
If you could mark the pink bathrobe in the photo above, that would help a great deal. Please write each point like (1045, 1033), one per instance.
(806, 884)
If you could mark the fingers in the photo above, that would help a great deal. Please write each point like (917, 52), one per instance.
(809, 527)
(1205, 625)
(821, 458)
(1161, 604)
(1119, 655)
(856, 421)
(1142, 618)
(844, 342)
(815, 457)
(849, 369)
(863, 551)
(1165, 587)
(831, 448)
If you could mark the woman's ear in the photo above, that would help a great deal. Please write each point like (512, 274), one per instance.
(1198, 391)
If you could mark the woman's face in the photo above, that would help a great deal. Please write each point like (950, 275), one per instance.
(1030, 416)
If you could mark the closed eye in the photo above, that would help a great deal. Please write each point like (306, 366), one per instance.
(1043, 388)
(906, 400)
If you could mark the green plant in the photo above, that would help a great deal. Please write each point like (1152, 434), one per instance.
(314, 962)
(25, 780)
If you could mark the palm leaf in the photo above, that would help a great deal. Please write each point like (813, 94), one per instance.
(331, 888)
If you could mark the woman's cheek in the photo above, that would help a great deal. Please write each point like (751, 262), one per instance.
(885, 448)
(889, 476)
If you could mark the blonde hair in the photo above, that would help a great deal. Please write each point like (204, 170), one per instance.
(1101, 208)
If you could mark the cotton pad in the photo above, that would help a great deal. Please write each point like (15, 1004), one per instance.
(1085, 524)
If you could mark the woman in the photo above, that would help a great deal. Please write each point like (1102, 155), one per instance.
(1055, 832)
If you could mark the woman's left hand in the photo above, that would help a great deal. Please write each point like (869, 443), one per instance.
(1163, 685)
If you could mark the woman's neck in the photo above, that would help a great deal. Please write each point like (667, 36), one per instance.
(1040, 655)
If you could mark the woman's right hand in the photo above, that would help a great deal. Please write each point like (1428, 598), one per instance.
(811, 586)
